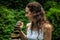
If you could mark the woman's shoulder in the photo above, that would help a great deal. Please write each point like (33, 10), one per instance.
(28, 25)
(48, 26)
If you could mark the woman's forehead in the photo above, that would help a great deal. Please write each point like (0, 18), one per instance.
(27, 9)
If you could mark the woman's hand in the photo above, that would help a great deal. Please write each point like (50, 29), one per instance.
(19, 24)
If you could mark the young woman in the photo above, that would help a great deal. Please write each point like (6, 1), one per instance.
(39, 27)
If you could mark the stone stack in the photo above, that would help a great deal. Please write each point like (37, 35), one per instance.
(16, 34)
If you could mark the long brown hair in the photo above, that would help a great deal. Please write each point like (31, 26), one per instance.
(40, 15)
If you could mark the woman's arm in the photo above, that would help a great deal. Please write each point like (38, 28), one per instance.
(23, 36)
(48, 32)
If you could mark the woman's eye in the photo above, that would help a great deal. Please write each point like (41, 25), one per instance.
(26, 12)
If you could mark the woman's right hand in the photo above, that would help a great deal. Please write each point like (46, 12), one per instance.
(19, 24)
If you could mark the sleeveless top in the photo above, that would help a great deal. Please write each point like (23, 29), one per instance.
(34, 35)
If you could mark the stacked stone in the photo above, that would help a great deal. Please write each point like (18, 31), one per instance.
(16, 34)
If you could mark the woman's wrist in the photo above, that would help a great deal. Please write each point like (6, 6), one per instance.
(20, 29)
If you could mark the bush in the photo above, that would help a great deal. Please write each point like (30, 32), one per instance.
(53, 16)
(8, 19)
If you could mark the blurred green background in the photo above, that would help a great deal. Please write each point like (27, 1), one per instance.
(12, 11)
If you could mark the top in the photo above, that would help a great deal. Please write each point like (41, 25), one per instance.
(34, 35)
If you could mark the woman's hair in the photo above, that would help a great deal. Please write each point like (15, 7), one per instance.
(40, 14)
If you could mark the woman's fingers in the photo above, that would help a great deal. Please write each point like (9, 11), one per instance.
(19, 24)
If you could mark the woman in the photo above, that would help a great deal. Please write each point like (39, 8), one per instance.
(39, 27)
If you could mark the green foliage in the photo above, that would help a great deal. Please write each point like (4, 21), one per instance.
(50, 4)
(53, 16)
(12, 11)
(8, 19)
(15, 4)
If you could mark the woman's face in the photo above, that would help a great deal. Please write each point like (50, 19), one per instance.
(29, 14)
